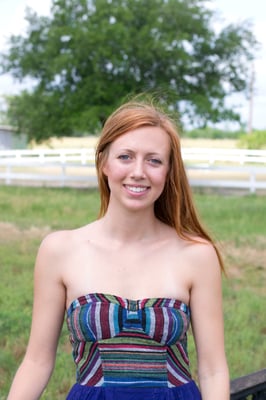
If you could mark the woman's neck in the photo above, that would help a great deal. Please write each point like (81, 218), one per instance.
(131, 226)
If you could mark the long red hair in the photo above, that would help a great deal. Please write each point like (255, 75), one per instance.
(175, 206)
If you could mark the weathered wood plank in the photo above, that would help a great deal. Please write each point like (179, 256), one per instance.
(252, 384)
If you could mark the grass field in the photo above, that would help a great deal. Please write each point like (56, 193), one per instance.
(28, 214)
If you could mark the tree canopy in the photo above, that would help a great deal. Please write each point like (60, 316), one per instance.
(88, 55)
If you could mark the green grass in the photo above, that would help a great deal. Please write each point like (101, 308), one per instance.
(27, 214)
(57, 208)
(233, 217)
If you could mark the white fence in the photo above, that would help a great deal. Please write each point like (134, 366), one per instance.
(218, 168)
(214, 155)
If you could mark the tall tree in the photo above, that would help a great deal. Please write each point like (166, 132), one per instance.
(89, 54)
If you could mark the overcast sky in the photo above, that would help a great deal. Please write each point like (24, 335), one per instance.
(12, 22)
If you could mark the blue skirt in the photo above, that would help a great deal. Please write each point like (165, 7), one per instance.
(188, 391)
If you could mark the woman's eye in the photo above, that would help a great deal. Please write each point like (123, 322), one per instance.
(124, 157)
(155, 161)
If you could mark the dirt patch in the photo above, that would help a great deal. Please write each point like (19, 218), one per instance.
(209, 143)
(11, 232)
(91, 141)
(246, 260)
(67, 143)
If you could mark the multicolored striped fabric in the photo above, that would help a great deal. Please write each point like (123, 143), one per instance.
(134, 343)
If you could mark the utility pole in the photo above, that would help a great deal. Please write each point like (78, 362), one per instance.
(251, 95)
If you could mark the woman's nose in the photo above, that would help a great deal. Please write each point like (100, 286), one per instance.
(138, 169)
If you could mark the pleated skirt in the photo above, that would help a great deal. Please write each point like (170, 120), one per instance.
(188, 391)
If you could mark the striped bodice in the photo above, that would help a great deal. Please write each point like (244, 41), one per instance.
(138, 343)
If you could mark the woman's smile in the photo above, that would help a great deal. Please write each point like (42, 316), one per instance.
(139, 190)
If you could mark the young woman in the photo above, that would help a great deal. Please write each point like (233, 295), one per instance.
(133, 280)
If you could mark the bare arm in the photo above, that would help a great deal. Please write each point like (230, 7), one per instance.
(207, 324)
(48, 314)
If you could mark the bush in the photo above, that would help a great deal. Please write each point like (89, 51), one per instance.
(254, 140)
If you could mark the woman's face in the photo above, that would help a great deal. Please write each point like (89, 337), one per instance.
(137, 166)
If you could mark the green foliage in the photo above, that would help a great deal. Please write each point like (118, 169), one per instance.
(90, 55)
(211, 133)
(254, 140)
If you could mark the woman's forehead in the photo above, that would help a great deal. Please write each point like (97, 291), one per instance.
(146, 137)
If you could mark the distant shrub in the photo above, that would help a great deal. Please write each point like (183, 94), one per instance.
(254, 140)
(211, 133)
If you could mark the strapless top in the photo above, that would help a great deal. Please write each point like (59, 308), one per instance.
(122, 342)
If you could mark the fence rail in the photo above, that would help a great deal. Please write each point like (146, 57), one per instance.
(214, 168)
(208, 155)
(236, 156)
(250, 386)
(44, 156)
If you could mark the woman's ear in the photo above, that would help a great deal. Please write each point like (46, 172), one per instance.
(105, 168)
(103, 163)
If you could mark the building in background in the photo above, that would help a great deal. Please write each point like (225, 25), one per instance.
(10, 140)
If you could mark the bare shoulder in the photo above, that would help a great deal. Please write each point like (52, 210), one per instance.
(63, 240)
(203, 258)
(202, 248)
(57, 246)
(56, 241)
(50, 254)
